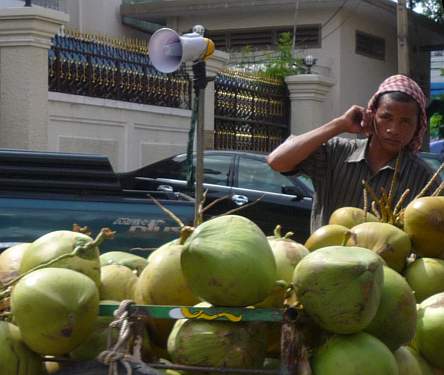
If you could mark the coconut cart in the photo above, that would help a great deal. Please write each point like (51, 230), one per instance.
(122, 358)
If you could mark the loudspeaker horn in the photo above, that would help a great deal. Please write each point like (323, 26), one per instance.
(168, 50)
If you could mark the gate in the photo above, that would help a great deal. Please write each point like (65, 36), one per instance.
(99, 66)
(251, 112)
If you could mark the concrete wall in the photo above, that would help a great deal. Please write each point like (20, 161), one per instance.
(130, 134)
(98, 16)
(359, 76)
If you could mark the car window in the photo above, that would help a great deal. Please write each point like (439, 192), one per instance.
(216, 169)
(257, 175)
(433, 162)
(306, 181)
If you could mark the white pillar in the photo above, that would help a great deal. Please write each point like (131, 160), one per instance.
(25, 37)
(307, 95)
(215, 64)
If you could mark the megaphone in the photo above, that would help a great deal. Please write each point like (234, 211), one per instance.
(168, 50)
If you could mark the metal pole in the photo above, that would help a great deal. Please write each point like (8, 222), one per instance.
(199, 153)
(403, 47)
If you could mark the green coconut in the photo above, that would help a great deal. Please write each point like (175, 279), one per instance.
(96, 342)
(411, 363)
(340, 287)
(132, 261)
(395, 321)
(228, 261)
(162, 283)
(386, 240)
(10, 260)
(351, 216)
(117, 283)
(424, 223)
(430, 330)
(55, 309)
(359, 353)
(426, 277)
(15, 357)
(60, 243)
(287, 254)
(217, 344)
(327, 235)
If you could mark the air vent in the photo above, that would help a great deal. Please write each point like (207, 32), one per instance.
(307, 36)
(370, 45)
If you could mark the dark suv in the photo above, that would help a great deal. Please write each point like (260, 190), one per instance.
(244, 178)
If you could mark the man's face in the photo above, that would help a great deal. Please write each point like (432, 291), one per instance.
(395, 123)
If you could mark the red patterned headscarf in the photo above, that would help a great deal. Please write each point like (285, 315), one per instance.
(408, 86)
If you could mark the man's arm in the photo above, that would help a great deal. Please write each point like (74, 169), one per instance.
(296, 149)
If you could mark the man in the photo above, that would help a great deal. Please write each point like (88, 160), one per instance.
(394, 123)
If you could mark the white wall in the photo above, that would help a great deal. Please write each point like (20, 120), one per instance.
(359, 75)
(99, 16)
(131, 135)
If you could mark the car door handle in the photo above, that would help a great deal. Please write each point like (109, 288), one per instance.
(239, 200)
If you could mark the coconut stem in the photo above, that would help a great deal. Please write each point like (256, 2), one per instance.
(374, 197)
(365, 204)
(213, 203)
(288, 235)
(167, 211)
(375, 210)
(84, 230)
(40, 266)
(398, 212)
(277, 231)
(347, 236)
(432, 179)
(185, 232)
(394, 179)
(242, 207)
(105, 233)
(200, 210)
(438, 190)
(387, 213)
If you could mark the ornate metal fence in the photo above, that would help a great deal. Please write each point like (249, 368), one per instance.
(251, 112)
(101, 67)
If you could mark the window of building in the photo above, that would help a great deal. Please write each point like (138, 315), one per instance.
(370, 45)
(307, 36)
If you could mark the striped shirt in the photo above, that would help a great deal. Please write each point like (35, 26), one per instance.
(338, 168)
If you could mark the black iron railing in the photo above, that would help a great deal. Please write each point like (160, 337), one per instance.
(251, 112)
(113, 69)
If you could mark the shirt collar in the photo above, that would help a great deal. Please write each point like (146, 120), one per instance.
(359, 154)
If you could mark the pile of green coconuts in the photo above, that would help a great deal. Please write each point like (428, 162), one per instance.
(372, 292)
